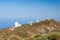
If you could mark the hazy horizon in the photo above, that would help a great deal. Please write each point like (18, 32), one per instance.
(27, 10)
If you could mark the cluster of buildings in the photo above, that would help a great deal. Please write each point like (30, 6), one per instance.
(15, 25)
(19, 25)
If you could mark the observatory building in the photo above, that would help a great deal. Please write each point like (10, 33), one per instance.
(17, 24)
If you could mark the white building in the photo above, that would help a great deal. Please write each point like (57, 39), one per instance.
(30, 22)
(17, 24)
(37, 21)
(12, 28)
(43, 19)
(48, 18)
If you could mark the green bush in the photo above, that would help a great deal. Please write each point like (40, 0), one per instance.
(37, 36)
(54, 36)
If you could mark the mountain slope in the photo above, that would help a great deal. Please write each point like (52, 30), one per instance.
(30, 31)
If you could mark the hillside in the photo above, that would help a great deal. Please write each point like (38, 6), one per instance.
(37, 31)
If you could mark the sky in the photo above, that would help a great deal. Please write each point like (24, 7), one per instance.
(27, 10)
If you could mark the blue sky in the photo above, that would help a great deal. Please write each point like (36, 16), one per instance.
(15, 10)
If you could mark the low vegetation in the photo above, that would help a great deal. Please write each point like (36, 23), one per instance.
(43, 30)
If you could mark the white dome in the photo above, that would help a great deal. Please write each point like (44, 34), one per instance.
(48, 18)
(17, 24)
(37, 20)
(43, 19)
